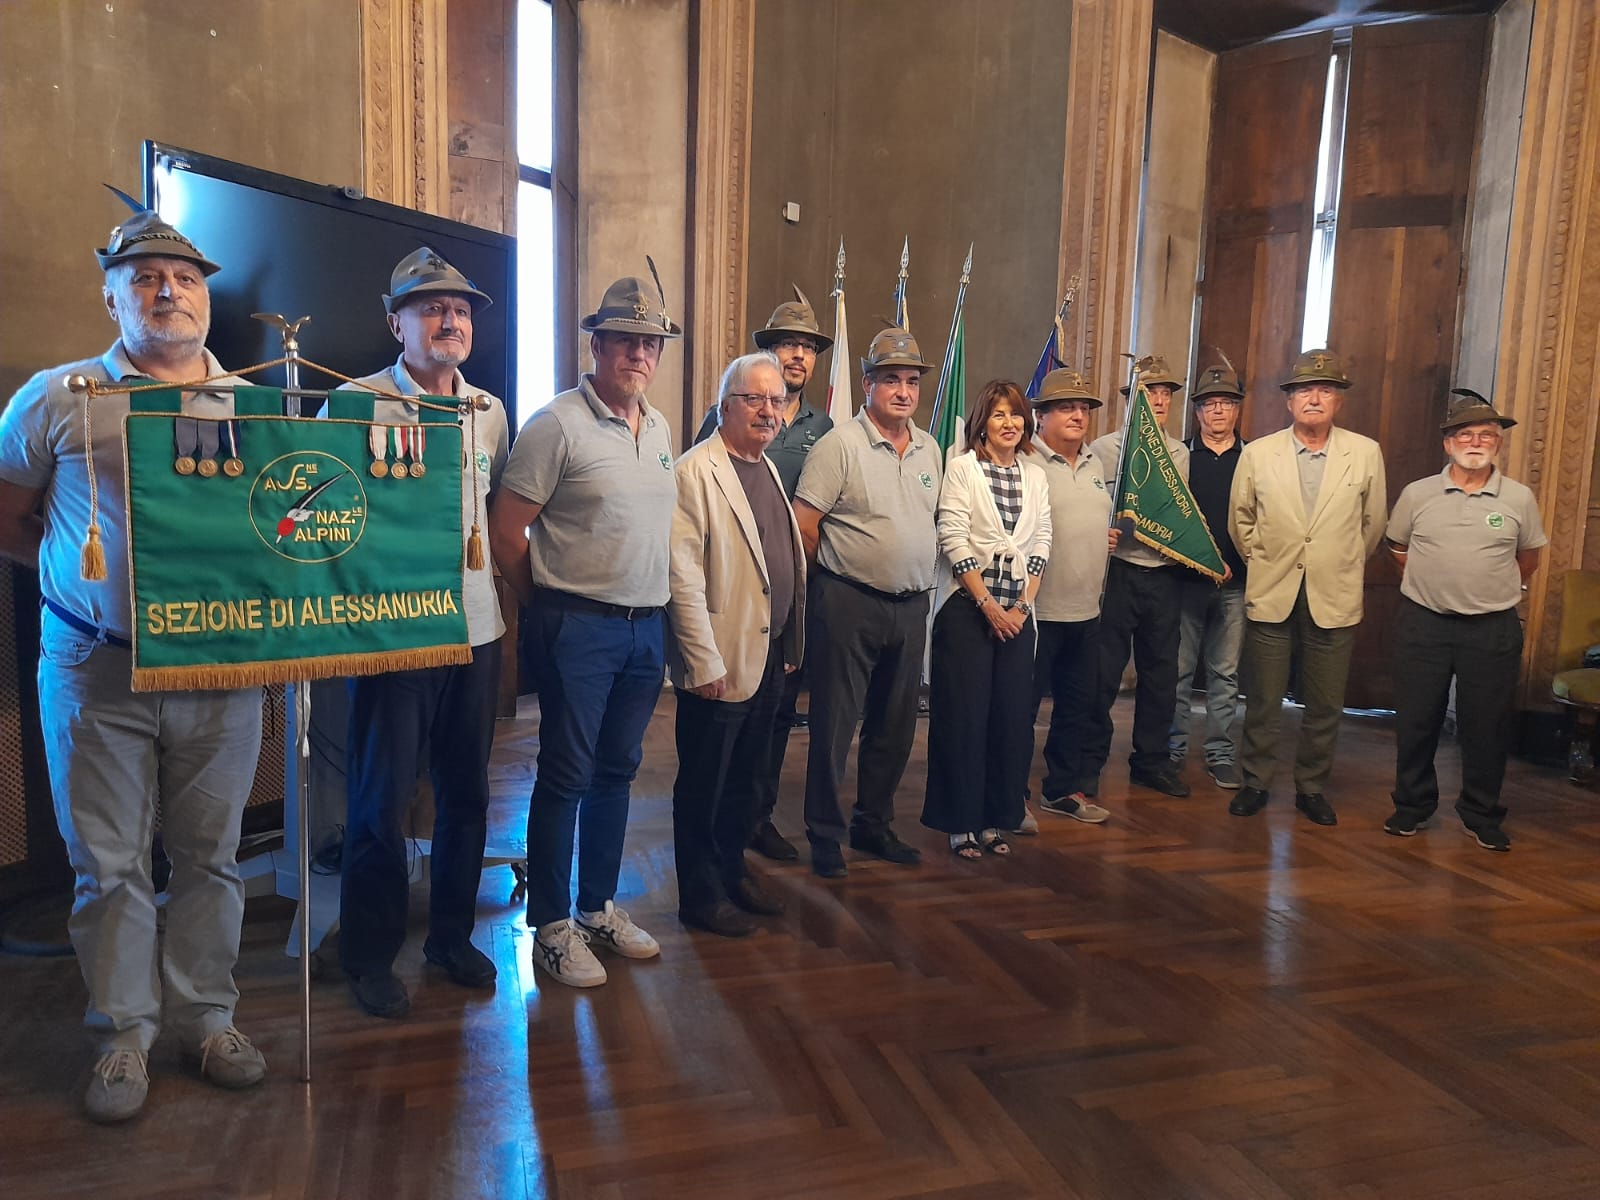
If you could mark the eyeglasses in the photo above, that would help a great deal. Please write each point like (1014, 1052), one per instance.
(797, 344)
(759, 400)
(1214, 403)
(1479, 437)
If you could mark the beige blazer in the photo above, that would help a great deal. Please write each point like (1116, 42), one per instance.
(719, 616)
(1327, 549)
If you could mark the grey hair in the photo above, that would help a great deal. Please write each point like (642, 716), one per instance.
(734, 376)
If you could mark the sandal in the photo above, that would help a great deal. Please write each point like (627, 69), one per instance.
(964, 845)
(994, 842)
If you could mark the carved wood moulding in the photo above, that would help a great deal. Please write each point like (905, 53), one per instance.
(1107, 103)
(403, 120)
(719, 204)
(1550, 318)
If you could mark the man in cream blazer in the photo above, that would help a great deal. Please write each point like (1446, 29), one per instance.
(737, 619)
(1307, 507)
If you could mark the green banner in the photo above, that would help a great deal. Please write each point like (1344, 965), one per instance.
(271, 548)
(1152, 494)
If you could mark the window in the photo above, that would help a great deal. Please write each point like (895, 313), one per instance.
(1330, 164)
(536, 331)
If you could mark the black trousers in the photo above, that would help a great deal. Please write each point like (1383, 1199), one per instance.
(449, 713)
(1142, 610)
(980, 727)
(1065, 667)
(766, 783)
(864, 660)
(1483, 655)
(722, 746)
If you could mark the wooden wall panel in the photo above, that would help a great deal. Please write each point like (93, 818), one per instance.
(1411, 128)
(1266, 122)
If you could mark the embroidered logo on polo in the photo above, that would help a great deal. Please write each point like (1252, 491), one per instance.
(666, 463)
(927, 480)
(1098, 484)
(1494, 520)
(308, 507)
(482, 457)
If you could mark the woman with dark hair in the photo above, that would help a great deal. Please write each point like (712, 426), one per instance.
(994, 532)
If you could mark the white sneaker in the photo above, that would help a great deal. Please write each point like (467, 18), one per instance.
(562, 949)
(611, 928)
(117, 1087)
(1030, 823)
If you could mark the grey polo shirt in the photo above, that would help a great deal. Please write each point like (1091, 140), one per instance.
(789, 448)
(1461, 547)
(608, 498)
(478, 598)
(1311, 465)
(42, 447)
(1129, 548)
(1080, 513)
(877, 526)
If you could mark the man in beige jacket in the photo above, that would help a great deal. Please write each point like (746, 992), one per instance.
(1306, 510)
(737, 620)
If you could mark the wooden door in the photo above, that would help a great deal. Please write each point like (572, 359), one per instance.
(1265, 124)
(1411, 128)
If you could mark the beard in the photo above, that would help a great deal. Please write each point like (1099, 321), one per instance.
(1471, 460)
(148, 334)
(447, 353)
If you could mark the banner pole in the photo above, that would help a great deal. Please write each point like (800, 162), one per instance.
(297, 732)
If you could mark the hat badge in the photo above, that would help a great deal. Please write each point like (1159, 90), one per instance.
(641, 309)
(1319, 362)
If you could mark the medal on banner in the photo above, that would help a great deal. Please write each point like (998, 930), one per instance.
(210, 443)
(378, 446)
(233, 465)
(398, 471)
(418, 440)
(185, 441)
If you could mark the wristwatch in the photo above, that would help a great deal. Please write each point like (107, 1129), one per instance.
(1026, 608)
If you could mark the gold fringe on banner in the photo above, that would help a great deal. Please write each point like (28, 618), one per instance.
(227, 676)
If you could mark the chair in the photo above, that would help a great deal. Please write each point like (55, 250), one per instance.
(1577, 681)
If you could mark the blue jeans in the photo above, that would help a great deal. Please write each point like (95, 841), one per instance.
(1210, 630)
(598, 679)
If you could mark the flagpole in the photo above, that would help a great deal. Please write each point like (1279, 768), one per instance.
(840, 395)
(902, 315)
(1135, 366)
(955, 319)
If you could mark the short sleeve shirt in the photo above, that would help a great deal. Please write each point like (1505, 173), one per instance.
(42, 447)
(607, 498)
(1080, 514)
(1461, 547)
(488, 429)
(878, 508)
(1129, 548)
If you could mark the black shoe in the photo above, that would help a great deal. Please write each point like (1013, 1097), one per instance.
(1491, 839)
(1248, 802)
(1316, 808)
(769, 843)
(463, 962)
(799, 721)
(1161, 779)
(885, 845)
(827, 861)
(721, 918)
(1403, 824)
(381, 994)
(749, 895)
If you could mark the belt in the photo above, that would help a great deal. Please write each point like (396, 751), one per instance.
(73, 620)
(876, 593)
(569, 602)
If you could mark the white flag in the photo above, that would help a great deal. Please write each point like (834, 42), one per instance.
(840, 405)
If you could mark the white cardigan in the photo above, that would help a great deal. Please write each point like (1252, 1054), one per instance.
(969, 522)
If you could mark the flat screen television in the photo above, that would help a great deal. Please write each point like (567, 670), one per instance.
(297, 248)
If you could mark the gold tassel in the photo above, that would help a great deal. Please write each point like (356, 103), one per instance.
(475, 550)
(93, 565)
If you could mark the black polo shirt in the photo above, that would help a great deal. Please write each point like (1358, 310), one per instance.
(1211, 481)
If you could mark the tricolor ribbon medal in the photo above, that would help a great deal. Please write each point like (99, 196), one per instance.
(416, 438)
(399, 470)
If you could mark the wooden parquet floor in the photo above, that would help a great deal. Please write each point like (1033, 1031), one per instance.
(1176, 1004)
